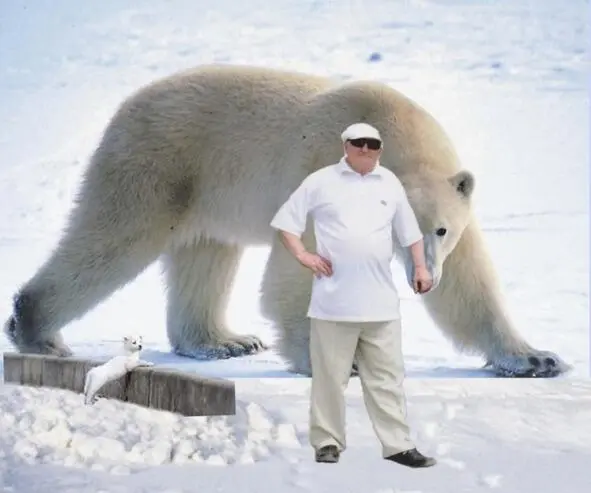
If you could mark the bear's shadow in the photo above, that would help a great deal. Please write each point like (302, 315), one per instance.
(268, 365)
(262, 365)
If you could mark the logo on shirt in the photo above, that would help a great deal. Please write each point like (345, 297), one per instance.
(383, 202)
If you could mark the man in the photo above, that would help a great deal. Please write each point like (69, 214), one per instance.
(354, 307)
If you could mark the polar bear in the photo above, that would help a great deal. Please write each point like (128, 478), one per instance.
(192, 168)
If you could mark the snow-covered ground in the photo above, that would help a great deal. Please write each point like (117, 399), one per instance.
(508, 80)
(491, 436)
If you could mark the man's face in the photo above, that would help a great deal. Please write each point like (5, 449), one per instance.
(363, 154)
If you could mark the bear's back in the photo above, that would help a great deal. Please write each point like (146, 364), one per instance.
(244, 121)
(237, 91)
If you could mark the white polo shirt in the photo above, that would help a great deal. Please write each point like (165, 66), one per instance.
(354, 216)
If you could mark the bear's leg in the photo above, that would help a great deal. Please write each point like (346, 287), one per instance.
(468, 308)
(118, 226)
(79, 274)
(199, 281)
(285, 295)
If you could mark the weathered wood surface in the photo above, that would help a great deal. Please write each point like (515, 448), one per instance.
(153, 387)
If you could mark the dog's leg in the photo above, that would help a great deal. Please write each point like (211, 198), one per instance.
(89, 391)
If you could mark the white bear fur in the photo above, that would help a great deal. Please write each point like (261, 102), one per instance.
(115, 368)
(193, 167)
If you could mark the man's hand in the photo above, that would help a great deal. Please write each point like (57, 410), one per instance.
(316, 263)
(422, 281)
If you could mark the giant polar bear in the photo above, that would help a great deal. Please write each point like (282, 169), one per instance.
(193, 167)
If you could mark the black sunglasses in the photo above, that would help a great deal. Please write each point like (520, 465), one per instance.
(373, 144)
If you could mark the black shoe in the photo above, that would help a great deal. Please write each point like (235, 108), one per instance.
(329, 453)
(412, 458)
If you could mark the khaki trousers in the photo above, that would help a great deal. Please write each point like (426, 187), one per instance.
(376, 346)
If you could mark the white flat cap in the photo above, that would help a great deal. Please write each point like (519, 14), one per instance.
(360, 130)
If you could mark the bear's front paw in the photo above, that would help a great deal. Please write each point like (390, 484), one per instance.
(535, 364)
(228, 347)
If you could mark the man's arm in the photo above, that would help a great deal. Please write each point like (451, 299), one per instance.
(293, 243)
(290, 222)
(316, 263)
(293, 214)
(409, 235)
(407, 228)
(417, 250)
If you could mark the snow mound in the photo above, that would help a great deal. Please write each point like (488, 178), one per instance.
(42, 426)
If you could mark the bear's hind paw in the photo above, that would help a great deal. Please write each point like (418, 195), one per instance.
(52, 346)
(57, 348)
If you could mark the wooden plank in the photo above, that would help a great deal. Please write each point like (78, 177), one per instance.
(54, 373)
(174, 390)
(32, 371)
(139, 386)
(153, 387)
(13, 367)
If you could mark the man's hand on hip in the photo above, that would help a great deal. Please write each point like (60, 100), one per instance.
(316, 263)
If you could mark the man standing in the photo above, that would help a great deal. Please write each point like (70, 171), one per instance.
(354, 307)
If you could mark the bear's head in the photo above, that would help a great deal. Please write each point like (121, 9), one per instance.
(443, 209)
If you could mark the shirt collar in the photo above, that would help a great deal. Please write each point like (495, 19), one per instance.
(344, 167)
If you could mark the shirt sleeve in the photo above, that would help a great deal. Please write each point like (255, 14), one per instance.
(293, 214)
(405, 222)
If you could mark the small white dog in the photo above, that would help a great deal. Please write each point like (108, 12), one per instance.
(115, 368)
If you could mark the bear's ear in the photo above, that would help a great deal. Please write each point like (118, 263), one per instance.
(463, 182)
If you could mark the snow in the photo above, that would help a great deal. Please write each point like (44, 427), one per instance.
(134, 437)
(495, 436)
(508, 80)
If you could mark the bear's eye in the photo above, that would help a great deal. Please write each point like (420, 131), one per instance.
(441, 232)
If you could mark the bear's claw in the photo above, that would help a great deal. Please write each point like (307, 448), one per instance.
(539, 364)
